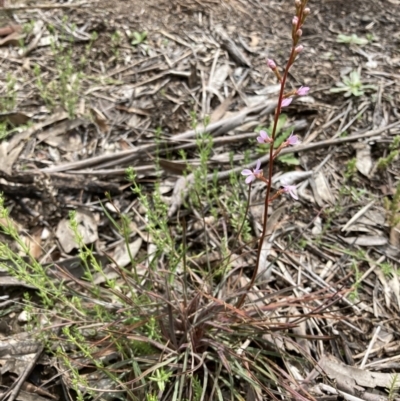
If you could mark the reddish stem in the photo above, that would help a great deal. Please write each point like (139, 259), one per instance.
(271, 164)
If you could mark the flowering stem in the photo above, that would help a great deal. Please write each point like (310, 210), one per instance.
(272, 156)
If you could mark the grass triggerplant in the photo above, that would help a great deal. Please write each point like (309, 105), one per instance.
(284, 100)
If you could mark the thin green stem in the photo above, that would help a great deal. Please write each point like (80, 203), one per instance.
(244, 216)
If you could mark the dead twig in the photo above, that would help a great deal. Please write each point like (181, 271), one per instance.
(48, 6)
(12, 395)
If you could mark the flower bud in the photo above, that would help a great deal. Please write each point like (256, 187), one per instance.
(299, 32)
(295, 20)
(271, 64)
(299, 49)
(297, 3)
(302, 91)
(306, 11)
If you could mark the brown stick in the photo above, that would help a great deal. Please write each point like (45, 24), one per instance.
(7, 30)
(29, 367)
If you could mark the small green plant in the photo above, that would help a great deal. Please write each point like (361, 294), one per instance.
(28, 27)
(88, 48)
(370, 37)
(388, 270)
(393, 208)
(203, 185)
(65, 88)
(116, 39)
(302, 243)
(157, 226)
(352, 39)
(351, 169)
(69, 80)
(353, 296)
(393, 388)
(351, 85)
(138, 38)
(355, 193)
(384, 162)
(236, 208)
(9, 100)
(4, 131)
(45, 90)
(161, 377)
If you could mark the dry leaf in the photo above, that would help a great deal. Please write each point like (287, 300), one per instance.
(220, 76)
(9, 159)
(255, 40)
(322, 187)
(23, 136)
(361, 212)
(12, 39)
(395, 236)
(87, 228)
(179, 193)
(7, 30)
(364, 240)
(395, 287)
(220, 111)
(385, 285)
(338, 370)
(363, 158)
(59, 129)
(173, 167)
(15, 118)
(34, 243)
(122, 256)
(99, 119)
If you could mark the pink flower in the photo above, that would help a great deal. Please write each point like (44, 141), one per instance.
(264, 138)
(295, 20)
(299, 48)
(271, 64)
(302, 91)
(252, 174)
(291, 190)
(286, 102)
(292, 140)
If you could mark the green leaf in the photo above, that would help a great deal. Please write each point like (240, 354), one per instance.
(282, 137)
(138, 38)
(289, 159)
(338, 90)
(353, 39)
(281, 122)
